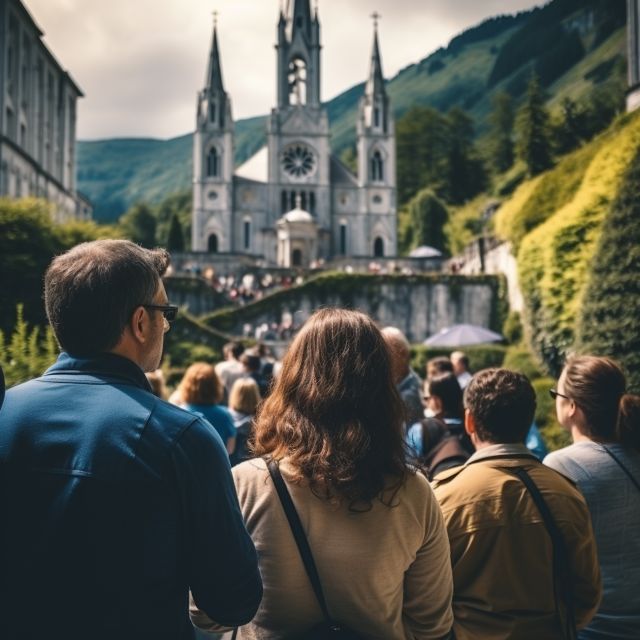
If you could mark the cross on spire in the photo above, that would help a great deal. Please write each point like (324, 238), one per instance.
(215, 18)
(376, 18)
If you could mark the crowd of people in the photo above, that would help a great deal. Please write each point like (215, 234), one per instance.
(334, 494)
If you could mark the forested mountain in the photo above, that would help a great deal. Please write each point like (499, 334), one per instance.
(574, 47)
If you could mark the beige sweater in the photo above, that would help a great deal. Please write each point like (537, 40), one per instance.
(385, 573)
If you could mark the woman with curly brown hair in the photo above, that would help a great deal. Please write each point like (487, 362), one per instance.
(333, 425)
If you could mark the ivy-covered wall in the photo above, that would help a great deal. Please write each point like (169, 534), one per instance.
(419, 305)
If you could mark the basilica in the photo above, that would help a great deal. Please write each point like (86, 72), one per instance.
(294, 203)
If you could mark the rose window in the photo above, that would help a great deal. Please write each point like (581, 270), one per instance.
(298, 161)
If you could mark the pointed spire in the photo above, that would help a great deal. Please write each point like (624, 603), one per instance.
(375, 83)
(301, 17)
(214, 71)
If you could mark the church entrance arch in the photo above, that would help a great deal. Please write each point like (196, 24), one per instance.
(296, 258)
(378, 248)
(213, 243)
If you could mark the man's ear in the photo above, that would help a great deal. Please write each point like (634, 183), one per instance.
(469, 423)
(139, 324)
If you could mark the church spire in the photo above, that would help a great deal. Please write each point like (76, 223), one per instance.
(301, 18)
(214, 71)
(375, 83)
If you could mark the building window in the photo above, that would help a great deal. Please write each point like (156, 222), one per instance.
(377, 199)
(343, 239)
(213, 163)
(284, 204)
(213, 243)
(297, 81)
(303, 200)
(296, 258)
(212, 195)
(377, 167)
(376, 116)
(312, 203)
(212, 111)
(378, 248)
(247, 235)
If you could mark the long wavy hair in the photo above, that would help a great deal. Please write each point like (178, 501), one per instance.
(335, 414)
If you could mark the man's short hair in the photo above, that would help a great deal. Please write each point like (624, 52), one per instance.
(462, 358)
(235, 349)
(502, 403)
(439, 365)
(91, 291)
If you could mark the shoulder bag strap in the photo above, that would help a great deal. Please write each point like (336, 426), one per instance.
(619, 463)
(561, 563)
(299, 536)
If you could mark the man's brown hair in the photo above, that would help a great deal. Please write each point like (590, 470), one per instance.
(91, 291)
(502, 403)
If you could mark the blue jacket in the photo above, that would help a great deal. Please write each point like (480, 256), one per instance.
(113, 504)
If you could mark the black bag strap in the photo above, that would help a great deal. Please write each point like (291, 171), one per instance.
(619, 462)
(563, 577)
(300, 538)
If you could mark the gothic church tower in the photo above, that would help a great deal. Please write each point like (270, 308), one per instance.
(213, 162)
(377, 162)
(298, 128)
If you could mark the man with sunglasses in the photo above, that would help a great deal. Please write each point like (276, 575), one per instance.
(114, 503)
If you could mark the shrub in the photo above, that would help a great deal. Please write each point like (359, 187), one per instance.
(512, 329)
(554, 259)
(520, 359)
(609, 320)
(480, 356)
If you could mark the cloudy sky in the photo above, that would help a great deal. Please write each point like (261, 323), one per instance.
(141, 62)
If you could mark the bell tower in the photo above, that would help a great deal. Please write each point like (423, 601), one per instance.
(213, 161)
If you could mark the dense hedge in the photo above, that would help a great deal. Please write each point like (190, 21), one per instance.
(609, 319)
(554, 258)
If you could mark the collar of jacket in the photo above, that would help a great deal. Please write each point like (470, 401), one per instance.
(102, 365)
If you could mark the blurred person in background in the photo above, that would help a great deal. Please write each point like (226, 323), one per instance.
(243, 403)
(200, 391)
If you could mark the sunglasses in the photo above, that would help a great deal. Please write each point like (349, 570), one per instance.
(554, 394)
(169, 311)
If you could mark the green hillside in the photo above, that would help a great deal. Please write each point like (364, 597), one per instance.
(575, 46)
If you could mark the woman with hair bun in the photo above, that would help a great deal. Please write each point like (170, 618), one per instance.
(333, 426)
(604, 460)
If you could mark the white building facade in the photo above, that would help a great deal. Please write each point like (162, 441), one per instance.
(37, 118)
(294, 203)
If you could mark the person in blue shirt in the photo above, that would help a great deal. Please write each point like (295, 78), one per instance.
(115, 504)
(200, 392)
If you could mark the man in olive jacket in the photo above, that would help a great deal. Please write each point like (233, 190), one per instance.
(505, 585)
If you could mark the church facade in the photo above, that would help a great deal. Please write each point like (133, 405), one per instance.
(293, 203)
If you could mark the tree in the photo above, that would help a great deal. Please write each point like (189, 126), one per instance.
(465, 174)
(428, 216)
(27, 245)
(571, 129)
(533, 130)
(175, 241)
(609, 323)
(139, 225)
(502, 120)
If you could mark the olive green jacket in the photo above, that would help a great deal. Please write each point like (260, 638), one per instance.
(501, 552)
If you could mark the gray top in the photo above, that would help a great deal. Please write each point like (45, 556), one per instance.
(614, 503)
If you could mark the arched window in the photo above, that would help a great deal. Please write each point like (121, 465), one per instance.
(213, 163)
(213, 243)
(378, 248)
(377, 167)
(376, 116)
(213, 111)
(285, 202)
(297, 79)
(303, 200)
(247, 234)
(312, 203)
(343, 239)
(296, 258)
